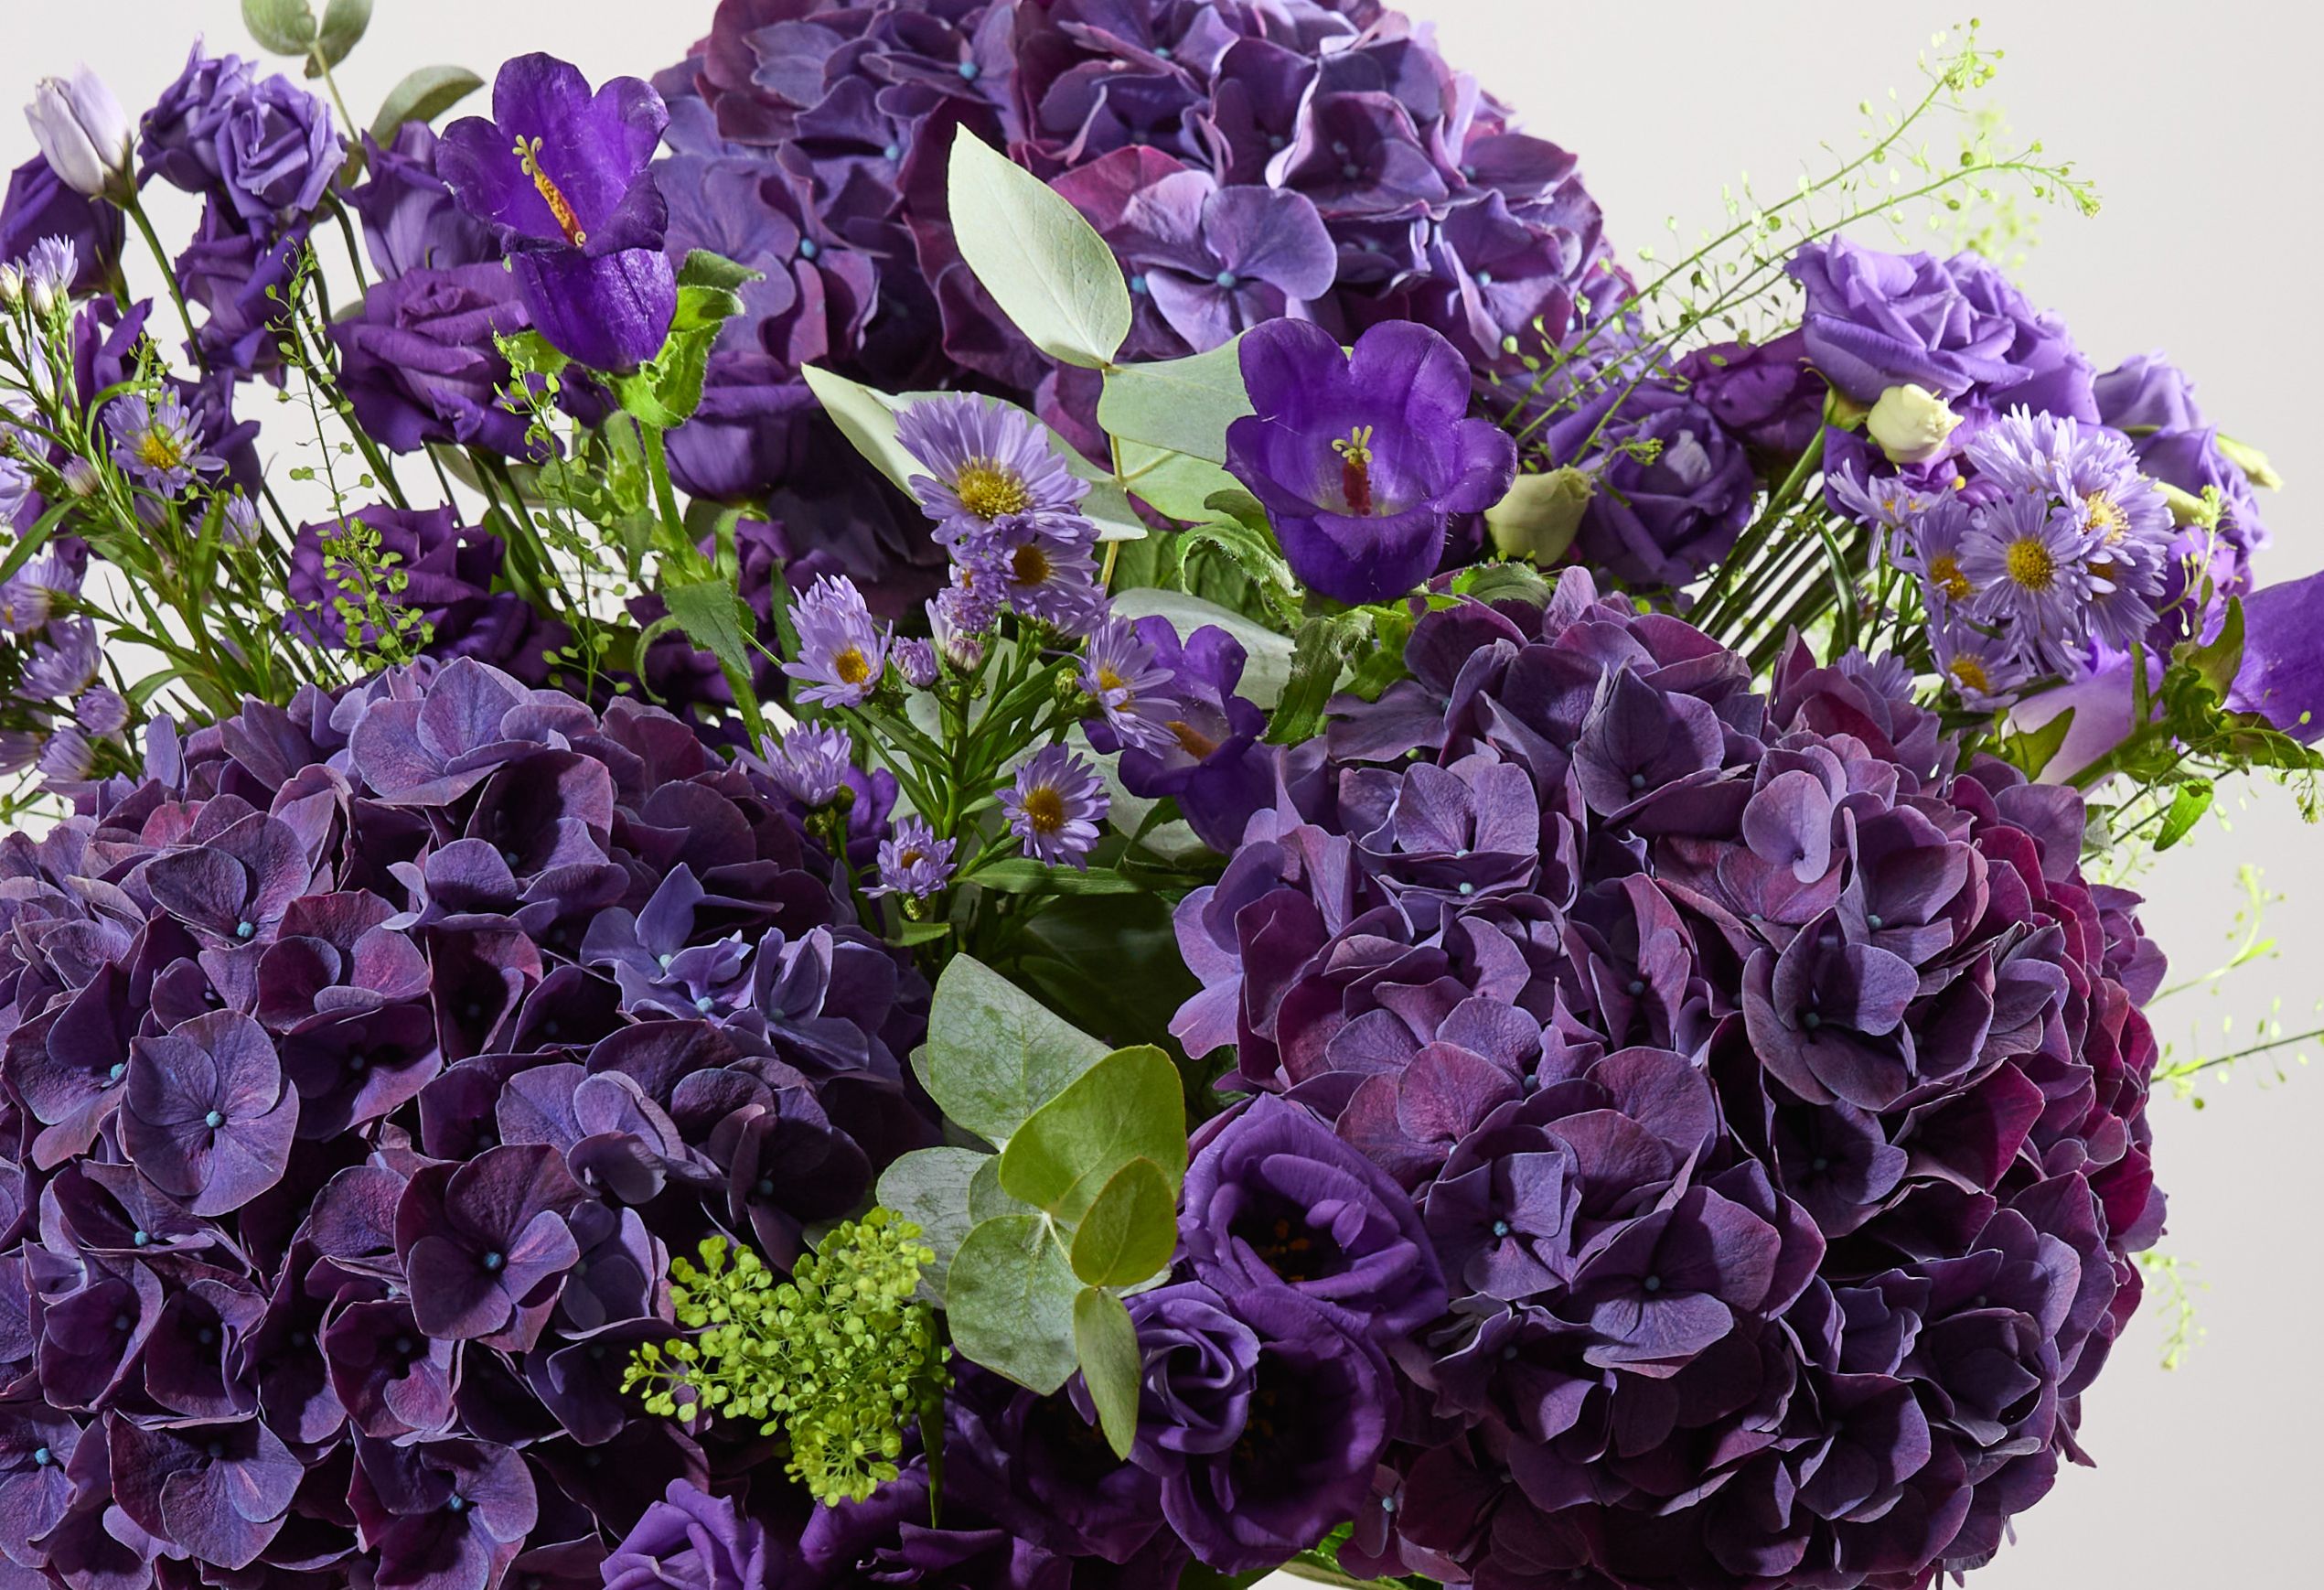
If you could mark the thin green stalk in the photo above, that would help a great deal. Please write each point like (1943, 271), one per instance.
(136, 210)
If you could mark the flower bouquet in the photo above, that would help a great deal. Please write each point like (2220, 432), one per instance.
(1035, 793)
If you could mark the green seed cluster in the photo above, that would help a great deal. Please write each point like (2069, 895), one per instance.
(835, 1360)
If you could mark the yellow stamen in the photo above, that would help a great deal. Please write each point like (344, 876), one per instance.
(1945, 574)
(2106, 517)
(2030, 565)
(1355, 469)
(1029, 565)
(988, 490)
(1109, 680)
(157, 449)
(1045, 810)
(1970, 675)
(528, 157)
(852, 666)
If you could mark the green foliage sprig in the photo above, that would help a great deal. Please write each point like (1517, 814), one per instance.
(836, 1360)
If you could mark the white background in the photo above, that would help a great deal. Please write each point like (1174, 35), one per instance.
(2201, 124)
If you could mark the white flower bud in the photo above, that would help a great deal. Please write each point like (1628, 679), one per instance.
(11, 286)
(1910, 424)
(1539, 517)
(82, 132)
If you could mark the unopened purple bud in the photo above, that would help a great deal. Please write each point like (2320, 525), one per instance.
(916, 659)
(82, 131)
(80, 478)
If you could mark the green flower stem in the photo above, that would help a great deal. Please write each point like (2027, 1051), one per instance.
(649, 438)
(1722, 588)
(136, 209)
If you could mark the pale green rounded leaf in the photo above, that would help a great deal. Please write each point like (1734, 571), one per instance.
(285, 26)
(994, 1053)
(1129, 1105)
(1180, 405)
(1131, 1230)
(1010, 1302)
(423, 96)
(344, 22)
(1106, 1343)
(929, 1187)
(1043, 264)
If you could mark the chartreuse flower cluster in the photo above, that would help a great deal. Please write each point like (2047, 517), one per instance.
(836, 1360)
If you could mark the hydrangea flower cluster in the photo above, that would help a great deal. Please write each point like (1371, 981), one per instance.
(369, 1058)
(1768, 1089)
(1316, 158)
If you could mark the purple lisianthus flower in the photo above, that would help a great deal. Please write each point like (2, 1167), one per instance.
(411, 221)
(420, 361)
(565, 175)
(158, 441)
(1764, 392)
(243, 279)
(177, 139)
(987, 463)
(1671, 489)
(692, 1541)
(277, 151)
(209, 1116)
(1275, 1199)
(843, 652)
(1053, 806)
(915, 862)
(37, 206)
(1363, 459)
(2282, 676)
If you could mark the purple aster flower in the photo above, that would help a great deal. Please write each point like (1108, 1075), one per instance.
(987, 463)
(36, 204)
(49, 268)
(814, 764)
(66, 757)
(1929, 532)
(692, 1541)
(239, 521)
(565, 175)
(1363, 459)
(64, 661)
(1132, 688)
(916, 659)
(1046, 569)
(1213, 764)
(2027, 563)
(843, 652)
(29, 596)
(1053, 807)
(914, 862)
(158, 441)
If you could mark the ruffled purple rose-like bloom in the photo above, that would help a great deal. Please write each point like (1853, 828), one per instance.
(1663, 521)
(563, 175)
(692, 1541)
(420, 363)
(1363, 459)
(266, 148)
(38, 206)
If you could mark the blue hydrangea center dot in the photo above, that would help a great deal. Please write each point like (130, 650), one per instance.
(214, 1120)
(244, 929)
(971, 71)
(1652, 1283)
(456, 1503)
(1638, 781)
(215, 1449)
(892, 152)
(1637, 985)
(1500, 1228)
(43, 1456)
(1227, 279)
(141, 1238)
(118, 1068)
(1138, 285)
(494, 1261)
(809, 248)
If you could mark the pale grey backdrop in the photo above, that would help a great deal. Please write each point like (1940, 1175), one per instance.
(2201, 124)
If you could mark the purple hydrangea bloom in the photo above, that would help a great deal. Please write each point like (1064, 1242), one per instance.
(1053, 806)
(1363, 459)
(1722, 1084)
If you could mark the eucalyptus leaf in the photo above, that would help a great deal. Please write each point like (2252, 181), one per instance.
(1130, 1228)
(929, 1187)
(986, 1201)
(1106, 1344)
(1179, 405)
(1268, 654)
(1010, 1303)
(283, 26)
(344, 22)
(865, 417)
(994, 1054)
(423, 96)
(1129, 1105)
(1042, 261)
(1177, 484)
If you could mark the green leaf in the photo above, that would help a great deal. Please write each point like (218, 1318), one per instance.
(1178, 406)
(865, 417)
(701, 268)
(912, 934)
(2035, 748)
(1319, 651)
(1021, 875)
(2187, 807)
(929, 1187)
(1010, 1302)
(1128, 1106)
(1172, 483)
(2217, 664)
(1253, 550)
(1130, 1228)
(344, 22)
(987, 1201)
(714, 619)
(530, 353)
(423, 96)
(1042, 261)
(1106, 1343)
(994, 1055)
(285, 26)
(1269, 654)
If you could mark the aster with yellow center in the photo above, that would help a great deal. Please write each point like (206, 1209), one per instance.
(986, 464)
(1053, 806)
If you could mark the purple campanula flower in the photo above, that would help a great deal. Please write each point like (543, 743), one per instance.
(82, 132)
(843, 652)
(411, 221)
(1213, 764)
(1053, 806)
(158, 441)
(814, 763)
(421, 365)
(2282, 676)
(1121, 674)
(1363, 459)
(38, 205)
(914, 862)
(565, 175)
(987, 464)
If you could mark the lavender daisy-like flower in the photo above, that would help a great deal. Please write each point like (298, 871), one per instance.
(1120, 673)
(101, 710)
(841, 650)
(2026, 563)
(1983, 670)
(814, 763)
(49, 270)
(29, 596)
(64, 663)
(239, 521)
(987, 462)
(914, 862)
(1048, 570)
(66, 757)
(157, 441)
(1928, 542)
(1053, 807)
